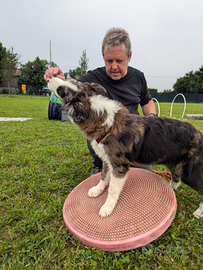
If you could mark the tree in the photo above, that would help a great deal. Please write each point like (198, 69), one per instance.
(2, 56)
(33, 74)
(168, 91)
(74, 73)
(66, 74)
(52, 64)
(192, 82)
(10, 65)
(153, 90)
(71, 73)
(83, 63)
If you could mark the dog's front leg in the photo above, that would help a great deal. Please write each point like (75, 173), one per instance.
(199, 212)
(104, 182)
(115, 188)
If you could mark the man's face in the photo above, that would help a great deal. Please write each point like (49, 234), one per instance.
(116, 61)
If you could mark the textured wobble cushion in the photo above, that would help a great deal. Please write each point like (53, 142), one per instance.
(145, 209)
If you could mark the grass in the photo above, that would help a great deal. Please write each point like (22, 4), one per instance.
(41, 161)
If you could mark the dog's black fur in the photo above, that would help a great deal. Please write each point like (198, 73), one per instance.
(130, 139)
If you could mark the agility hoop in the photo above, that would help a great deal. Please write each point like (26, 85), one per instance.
(157, 105)
(183, 108)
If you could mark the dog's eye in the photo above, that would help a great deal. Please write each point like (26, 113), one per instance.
(61, 91)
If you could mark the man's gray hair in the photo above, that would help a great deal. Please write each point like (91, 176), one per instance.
(117, 37)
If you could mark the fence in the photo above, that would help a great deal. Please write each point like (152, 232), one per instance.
(168, 97)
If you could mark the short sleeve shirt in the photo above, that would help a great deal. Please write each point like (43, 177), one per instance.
(130, 90)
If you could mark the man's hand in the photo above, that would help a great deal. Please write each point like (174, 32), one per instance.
(54, 72)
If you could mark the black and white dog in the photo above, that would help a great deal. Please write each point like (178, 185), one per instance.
(121, 139)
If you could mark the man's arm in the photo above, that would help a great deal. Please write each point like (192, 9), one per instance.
(149, 108)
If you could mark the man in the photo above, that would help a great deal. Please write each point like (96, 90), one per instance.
(123, 83)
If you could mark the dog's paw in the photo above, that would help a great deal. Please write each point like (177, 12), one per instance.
(105, 211)
(95, 191)
(175, 185)
(198, 213)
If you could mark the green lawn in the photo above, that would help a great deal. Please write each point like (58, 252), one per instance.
(41, 161)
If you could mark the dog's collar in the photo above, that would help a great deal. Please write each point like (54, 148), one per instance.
(98, 140)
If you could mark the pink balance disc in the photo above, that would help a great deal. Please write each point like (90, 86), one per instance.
(146, 208)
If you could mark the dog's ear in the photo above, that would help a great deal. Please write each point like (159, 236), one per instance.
(94, 89)
(99, 89)
(80, 114)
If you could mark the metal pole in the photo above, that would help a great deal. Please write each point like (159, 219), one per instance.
(50, 51)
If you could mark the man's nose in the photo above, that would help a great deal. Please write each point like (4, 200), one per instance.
(114, 65)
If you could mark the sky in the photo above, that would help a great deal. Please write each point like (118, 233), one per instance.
(166, 35)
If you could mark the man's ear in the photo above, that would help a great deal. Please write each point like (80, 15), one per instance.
(129, 58)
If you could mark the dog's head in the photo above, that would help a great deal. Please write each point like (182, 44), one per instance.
(75, 96)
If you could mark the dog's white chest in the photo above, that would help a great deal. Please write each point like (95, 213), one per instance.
(99, 150)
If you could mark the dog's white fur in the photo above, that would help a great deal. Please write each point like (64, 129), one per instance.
(101, 104)
(55, 82)
(99, 149)
(115, 187)
(97, 190)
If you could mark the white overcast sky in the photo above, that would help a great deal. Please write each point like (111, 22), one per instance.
(166, 35)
